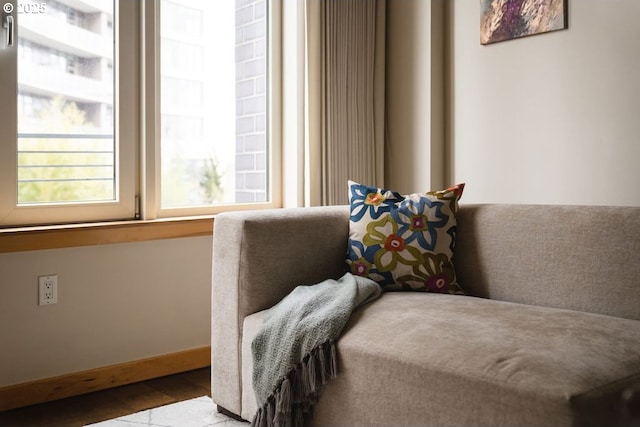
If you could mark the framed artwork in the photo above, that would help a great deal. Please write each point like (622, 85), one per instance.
(510, 19)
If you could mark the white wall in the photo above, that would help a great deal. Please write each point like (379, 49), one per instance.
(116, 303)
(552, 118)
(414, 152)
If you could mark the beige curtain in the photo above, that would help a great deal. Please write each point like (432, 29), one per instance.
(344, 97)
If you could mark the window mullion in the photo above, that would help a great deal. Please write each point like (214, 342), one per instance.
(128, 102)
(150, 98)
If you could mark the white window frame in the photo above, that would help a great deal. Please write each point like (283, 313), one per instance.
(126, 134)
(151, 131)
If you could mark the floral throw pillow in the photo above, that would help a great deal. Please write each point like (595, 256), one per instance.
(404, 242)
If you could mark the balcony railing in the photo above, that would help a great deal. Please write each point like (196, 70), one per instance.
(65, 167)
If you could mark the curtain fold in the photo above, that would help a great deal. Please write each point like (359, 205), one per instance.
(344, 97)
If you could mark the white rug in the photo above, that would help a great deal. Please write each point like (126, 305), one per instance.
(198, 412)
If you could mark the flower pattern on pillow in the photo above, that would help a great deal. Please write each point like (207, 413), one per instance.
(370, 200)
(412, 215)
(404, 242)
(392, 246)
(435, 274)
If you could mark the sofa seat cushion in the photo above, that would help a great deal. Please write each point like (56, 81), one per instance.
(407, 355)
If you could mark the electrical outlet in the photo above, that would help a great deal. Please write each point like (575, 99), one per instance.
(48, 289)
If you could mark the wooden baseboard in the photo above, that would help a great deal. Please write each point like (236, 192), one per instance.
(39, 391)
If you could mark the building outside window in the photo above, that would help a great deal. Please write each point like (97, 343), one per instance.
(66, 140)
(213, 60)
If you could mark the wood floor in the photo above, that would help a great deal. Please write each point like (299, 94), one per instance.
(112, 403)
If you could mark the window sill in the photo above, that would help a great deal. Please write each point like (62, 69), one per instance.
(66, 236)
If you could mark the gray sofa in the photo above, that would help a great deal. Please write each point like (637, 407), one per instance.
(550, 337)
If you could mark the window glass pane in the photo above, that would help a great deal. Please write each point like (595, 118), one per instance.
(213, 102)
(66, 145)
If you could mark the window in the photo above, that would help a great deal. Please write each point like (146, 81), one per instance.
(63, 157)
(104, 115)
(214, 109)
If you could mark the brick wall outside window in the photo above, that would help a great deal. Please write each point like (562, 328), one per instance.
(251, 68)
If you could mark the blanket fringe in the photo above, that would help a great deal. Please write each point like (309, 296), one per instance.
(294, 396)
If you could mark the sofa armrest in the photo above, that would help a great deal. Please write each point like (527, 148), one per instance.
(258, 258)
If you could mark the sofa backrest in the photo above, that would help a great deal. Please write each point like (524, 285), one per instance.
(575, 257)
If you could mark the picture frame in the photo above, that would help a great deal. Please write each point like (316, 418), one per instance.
(502, 20)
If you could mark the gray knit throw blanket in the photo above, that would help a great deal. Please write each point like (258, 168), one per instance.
(294, 354)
